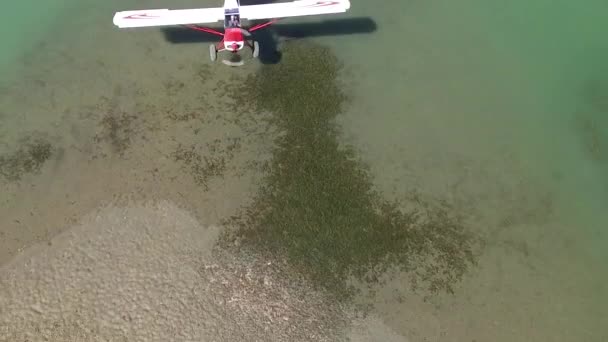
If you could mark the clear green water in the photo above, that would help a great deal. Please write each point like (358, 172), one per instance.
(24, 24)
(527, 77)
(563, 45)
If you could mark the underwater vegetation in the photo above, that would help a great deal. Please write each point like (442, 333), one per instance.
(204, 167)
(29, 157)
(317, 208)
(116, 129)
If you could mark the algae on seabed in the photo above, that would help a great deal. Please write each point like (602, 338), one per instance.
(317, 206)
(29, 158)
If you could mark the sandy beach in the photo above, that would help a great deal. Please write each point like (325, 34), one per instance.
(120, 157)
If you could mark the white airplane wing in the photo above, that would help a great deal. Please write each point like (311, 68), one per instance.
(165, 17)
(293, 9)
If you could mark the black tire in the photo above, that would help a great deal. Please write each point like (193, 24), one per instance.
(256, 49)
(213, 52)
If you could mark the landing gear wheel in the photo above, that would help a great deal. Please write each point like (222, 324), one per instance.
(256, 49)
(213, 52)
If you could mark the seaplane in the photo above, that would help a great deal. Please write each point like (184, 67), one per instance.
(235, 36)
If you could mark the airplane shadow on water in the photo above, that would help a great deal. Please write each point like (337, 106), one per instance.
(269, 37)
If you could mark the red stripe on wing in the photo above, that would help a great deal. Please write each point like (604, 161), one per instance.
(324, 3)
(141, 16)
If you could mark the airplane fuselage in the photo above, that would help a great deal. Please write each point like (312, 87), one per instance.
(233, 34)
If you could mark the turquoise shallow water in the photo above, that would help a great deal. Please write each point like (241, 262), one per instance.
(472, 78)
(527, 77)
(514, 94)
(24, 24)
(563, 43)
